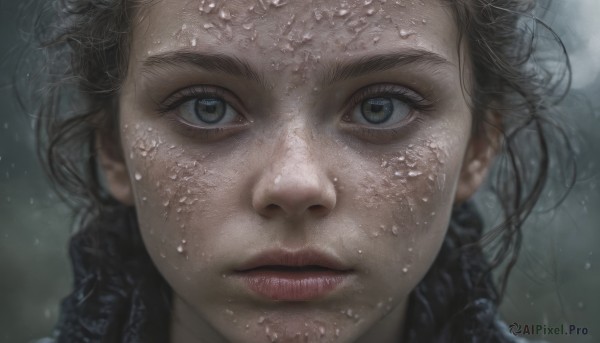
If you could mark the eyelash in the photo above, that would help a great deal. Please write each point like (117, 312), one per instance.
(182, 96)
(412, 98)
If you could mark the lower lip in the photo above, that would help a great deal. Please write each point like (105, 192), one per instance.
(291, 285)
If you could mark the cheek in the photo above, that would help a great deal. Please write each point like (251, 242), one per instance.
(172, 187)
(408, 186)
(405, 201)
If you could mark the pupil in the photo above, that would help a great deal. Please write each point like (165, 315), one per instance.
(377, 110)
(210, 110)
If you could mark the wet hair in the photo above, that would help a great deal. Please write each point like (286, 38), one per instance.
(118, 293)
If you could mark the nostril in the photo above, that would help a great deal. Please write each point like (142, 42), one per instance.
(319, 210)
(316, 208)
(271, 207)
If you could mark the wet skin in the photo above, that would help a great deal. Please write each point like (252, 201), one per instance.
(251, 126)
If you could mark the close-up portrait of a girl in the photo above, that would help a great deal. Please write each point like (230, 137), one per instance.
(295, 171)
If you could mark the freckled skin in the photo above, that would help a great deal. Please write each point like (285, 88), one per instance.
(293, 176)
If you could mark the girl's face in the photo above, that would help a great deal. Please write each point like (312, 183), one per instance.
(293, 163)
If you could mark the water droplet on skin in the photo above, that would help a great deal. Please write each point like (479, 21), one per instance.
(277, 179)
(322, 330)
(208, 8)
(173, 177)
(368, 2)
(138, 176)
(335, 179)
(398, 174)
(404, 34)
(394, 230)
(410, 249)
(229, 312)
(193, 41)
(349, 313)
(166, 203)
(261, 320)
(248, 26)
(425, 199)
(405, 270)
(414, 173)
(587, 266)
(370, 11)
(360, 251)
(337, 332)
(183, 199)
(225, 14)
(208, 26)
(342, 12)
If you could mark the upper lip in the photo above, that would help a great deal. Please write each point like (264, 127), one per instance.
(300, 258)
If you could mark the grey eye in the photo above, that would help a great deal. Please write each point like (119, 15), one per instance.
(377, 110)
(203, 112)
(381, 110)
(210, 111)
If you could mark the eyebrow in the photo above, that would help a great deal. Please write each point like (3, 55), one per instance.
(382, 62)
(209, 62)
(335, 72)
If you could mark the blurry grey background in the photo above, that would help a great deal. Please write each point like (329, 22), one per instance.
(556, 281)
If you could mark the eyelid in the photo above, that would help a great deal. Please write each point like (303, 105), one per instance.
(181, 96)
(412, 98)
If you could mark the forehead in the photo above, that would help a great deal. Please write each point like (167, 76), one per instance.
(292, 31)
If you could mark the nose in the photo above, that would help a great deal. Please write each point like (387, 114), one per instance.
(295, 183)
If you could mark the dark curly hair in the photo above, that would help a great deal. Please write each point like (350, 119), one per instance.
(119, 296)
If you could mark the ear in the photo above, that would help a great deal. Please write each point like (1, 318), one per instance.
(114, 168)
(481, 151)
